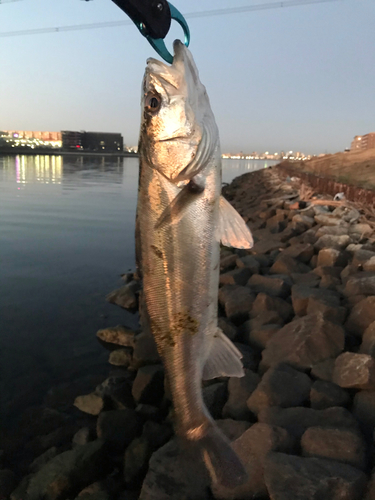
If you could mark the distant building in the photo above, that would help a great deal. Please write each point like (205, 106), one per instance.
(31, 139)
(102, 141)
(71, 139)
(362, 142)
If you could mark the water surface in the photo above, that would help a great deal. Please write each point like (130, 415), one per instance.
(66, 235)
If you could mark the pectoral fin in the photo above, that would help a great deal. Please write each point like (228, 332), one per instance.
(232, 228)
(224, 359)
(176, 209)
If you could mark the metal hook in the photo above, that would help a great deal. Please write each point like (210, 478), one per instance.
(158, 43)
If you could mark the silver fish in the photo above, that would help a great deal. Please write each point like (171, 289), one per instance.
(181, 219)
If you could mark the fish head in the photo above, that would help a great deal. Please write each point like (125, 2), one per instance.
(178, 130)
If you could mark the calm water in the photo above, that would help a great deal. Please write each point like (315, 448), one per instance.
(66, 235)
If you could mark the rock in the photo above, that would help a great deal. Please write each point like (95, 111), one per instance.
(332, 257)
(236, 277)
(89, 403)
(330, 220)
(294, 478)
(117, 427)
(67, 473)
(370, 492)
(249, 262)
(228, 328)
(282, 386)
(301, 295)
(239, 390)
(252, 448)
(237, 302)
(120, 357)
(264, 303)
(356, 371)
(364, 409)
(82, 437)
(137, 455)
(7, 483)
(156, 434)
(175, 474)
(369, 265)
(304, 342)
(116, 390)
(41, 461)
(324, 369)
(288, 265)
(94, 491)
(302, 220)
(20, 493)
(363, 230)
(302, 252)
(360, 284)
(336, 314)
(332, 230)
(148, 386)
(275, 285)
(361, 316)
(297, 420)
(228, 262)
(259, 336)
(325, 394)
(277, 223)
(123, 297)
(118, 335)
(368, 340)
(342, 445)
(249, 358)
(331, 241)
(214, 397)
(361, 256)
(232, 429)
(310, 280)
(145, 351)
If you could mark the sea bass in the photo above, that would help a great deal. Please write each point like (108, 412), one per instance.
(181, 219)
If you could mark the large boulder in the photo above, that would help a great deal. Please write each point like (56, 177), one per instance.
(289, 477)
(304, 342)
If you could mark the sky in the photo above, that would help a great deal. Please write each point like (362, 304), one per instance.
(295, 78)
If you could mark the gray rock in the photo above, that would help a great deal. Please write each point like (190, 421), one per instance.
(363, 230)
(252, 448)
(82, 437)
(275, 285)
(136, 459)
(368, 340)
(294, 478)
(331, 230)
(336, 314)
(331, 241)
(301, 295)
(145, 351)
(361, 316)
(264, 303)
(148, 386)
(304, 342)
(325, 394)
(68, 473)
(116, 390)
(310, 280)
(364, 409)
(237, 302)
(332, 257)
(360, 284)
(232, 429)
(236, 277)
(239, 390)
(330, 220)
(361, 256)
(250, 262)
(302, 252)
(118, 335)
(117, 427)
(280, 386)
(324, 369)
(123, 297)
(228, 262)
(89, 403)
(302, 220)
(369, 265)
(41, 461)
(249, 358)
(175, 474)
(355, 371)
(120, 357)
(214, 397)
(288, 265)
(297, 420)
(258, 336)
(342, 445)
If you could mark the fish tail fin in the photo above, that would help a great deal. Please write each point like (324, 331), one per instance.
(223, 464)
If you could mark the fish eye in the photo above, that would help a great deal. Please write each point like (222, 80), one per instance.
(152, 102)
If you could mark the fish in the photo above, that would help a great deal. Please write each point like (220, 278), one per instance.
(181, 220)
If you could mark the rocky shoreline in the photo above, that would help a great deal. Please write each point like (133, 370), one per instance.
(300, 306)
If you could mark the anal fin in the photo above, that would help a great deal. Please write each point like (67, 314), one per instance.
(224, 359)
(232, 228)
